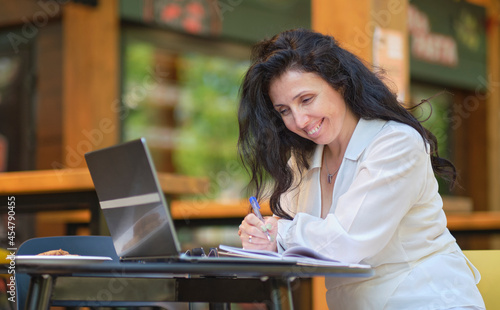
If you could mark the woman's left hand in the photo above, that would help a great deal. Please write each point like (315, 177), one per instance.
(252, 232)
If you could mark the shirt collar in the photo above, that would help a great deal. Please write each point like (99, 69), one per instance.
(362, 136)
(317, 157)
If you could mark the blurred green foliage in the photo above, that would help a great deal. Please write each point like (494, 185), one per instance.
(206, 132)
(434, 112)
(207, 113)
(138, 62)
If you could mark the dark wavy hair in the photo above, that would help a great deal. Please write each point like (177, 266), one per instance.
(265, 144)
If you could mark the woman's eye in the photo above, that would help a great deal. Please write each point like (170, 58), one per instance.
(283, 111)
(307, 99)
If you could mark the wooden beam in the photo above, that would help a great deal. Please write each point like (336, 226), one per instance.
(474, 221)
(56, 181)
(90, 80)
(208, 209)
(31, 14)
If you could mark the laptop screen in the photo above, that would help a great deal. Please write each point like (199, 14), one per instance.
(132, 201)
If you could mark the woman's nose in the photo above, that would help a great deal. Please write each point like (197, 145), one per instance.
(301, 119)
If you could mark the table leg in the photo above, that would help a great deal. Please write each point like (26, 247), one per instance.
(281, 295)
(39, 292)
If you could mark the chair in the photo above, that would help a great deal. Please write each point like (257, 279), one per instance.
(81, 245)
(488, 264)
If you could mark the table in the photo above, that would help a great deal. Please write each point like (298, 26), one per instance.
(70, 189)
(133, 284)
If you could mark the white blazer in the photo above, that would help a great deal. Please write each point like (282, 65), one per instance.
(386, 212)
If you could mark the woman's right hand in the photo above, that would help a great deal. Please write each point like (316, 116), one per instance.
(252, 232)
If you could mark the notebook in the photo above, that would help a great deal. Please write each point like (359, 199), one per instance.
(133, 204)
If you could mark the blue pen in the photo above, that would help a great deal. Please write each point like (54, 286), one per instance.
(256, 211)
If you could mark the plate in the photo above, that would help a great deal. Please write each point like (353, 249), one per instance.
(60, 259)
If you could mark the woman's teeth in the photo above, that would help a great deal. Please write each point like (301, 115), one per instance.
(315, 130)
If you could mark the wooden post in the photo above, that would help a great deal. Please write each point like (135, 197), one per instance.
(492, 97)
(353, 24)
(348, 21)
(493, 106)
(90, 79)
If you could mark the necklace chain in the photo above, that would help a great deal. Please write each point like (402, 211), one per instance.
(330, 176)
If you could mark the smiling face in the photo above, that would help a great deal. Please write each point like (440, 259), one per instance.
(311, 108)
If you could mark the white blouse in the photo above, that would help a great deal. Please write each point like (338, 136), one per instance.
(386, 212)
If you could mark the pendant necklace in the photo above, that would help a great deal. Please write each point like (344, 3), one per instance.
(330, 175)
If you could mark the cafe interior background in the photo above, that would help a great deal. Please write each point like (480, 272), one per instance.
(80, 75)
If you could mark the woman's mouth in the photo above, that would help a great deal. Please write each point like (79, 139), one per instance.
(315, 129)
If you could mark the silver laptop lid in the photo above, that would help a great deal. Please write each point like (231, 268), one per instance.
(132, 201)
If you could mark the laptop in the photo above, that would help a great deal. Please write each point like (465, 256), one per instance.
(135, 209)
(132, 201)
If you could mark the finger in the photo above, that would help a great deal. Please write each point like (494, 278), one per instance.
(258, 244)
(266, 226)
(257, 237)
(251, 219)
(254, 227)
(271, 219)
(253, 242)
(258, 231)
(270, 223)
(245, 228)
(250, 227)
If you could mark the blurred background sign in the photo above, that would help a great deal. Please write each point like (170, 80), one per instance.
(247, 20)
(448, 42)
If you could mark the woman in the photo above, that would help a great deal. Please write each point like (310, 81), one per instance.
(353, 176)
